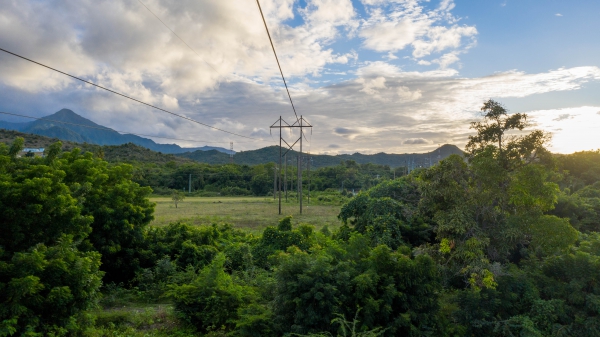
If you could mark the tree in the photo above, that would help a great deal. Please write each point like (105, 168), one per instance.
(394, 291)
(46, 281)
(177, 197)
(388, 214)
(212, 299)
(493, 131)
(491, 210)
(120, 209)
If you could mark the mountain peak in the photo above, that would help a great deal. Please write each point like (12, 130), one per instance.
(67, 115)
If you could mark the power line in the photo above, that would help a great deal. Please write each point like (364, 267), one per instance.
(131, 98)
(172, 31)
(105, 128)
(277, 59)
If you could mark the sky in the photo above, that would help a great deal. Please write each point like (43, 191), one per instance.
(399, 76)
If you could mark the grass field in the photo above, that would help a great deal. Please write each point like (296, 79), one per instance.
(252, 213)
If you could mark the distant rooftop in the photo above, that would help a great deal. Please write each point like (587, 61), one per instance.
(34, 150)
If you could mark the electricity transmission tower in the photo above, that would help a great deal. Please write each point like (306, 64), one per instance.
(281, 124)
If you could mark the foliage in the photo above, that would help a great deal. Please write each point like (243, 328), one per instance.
(177, 197)
(279, 239)
(554, 296)
(388, 214)
(119, 207)
(492, 209)
(46, 282)
(45, 289)
(395, 291)
(212, 299)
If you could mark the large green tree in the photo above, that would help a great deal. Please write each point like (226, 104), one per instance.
(493, 208)
(45, 280)
(119, 207)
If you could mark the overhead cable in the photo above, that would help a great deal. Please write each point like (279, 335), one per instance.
(276, 58)
(131, 98)
(106, 129)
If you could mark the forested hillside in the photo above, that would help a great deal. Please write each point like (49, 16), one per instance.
(504, 243)
(271, 154)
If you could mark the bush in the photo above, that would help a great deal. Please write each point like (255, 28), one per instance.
(212, 299)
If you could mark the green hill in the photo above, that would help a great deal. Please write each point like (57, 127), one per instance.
(134, 153)
(113, 153)
(271, 154)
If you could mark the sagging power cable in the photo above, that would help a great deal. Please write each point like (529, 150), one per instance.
(106, 129)
(131, 98)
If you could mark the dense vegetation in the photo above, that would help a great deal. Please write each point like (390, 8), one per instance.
(502, 242)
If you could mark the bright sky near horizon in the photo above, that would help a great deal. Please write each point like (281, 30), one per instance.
(370, 75)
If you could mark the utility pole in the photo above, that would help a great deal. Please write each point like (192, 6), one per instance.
(300, 165)
(231, 152)
(190, 184)
(279, 180)
(285, 184)
(274, 182)
(308, 163)
(299, 123)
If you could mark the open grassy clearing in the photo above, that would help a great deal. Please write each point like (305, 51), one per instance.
(252, 213)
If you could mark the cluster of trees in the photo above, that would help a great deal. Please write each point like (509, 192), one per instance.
(234, 179)
(67, 222)
(502, 242)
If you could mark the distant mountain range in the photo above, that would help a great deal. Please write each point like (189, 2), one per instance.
(55, 126)
(271, 154)
(126, 147)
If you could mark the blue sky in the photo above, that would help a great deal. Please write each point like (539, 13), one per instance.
(371, 75)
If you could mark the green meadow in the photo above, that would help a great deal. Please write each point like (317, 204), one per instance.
(250, 213)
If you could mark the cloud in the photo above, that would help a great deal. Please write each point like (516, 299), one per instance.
(406, 95)
(353, 132)
(408, 23)
(334, 146)
(372, 86)
(446, 60)
(558, 14)
(415, 141)
(377, 106)
(345, 131)
(563, 117)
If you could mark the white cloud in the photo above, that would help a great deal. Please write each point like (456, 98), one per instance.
(558, 14)
(416, 141)
(372, 86)
(411, 24)
(406, 95)
(446, 60)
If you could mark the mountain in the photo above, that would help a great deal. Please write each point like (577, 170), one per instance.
(271, 154)
(125, 153)
(135, 153)
(69, 126)
(12, 126)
